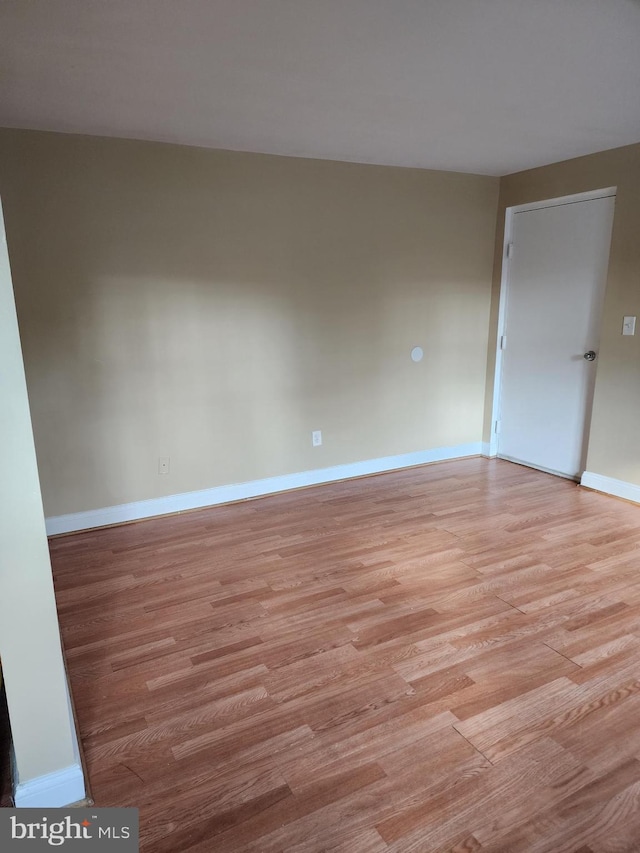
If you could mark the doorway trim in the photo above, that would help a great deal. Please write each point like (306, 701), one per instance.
(605, 192)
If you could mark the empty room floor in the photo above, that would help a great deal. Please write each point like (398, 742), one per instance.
(444, 658)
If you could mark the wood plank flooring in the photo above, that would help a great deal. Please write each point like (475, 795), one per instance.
(445, 658)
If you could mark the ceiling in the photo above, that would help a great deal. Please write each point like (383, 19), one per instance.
(487, 86)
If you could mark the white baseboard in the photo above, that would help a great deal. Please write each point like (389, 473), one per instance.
(488, 450)
(54, 790)
(241, 491)
(611, 486)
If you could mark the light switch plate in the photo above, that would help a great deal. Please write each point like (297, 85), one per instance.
(629, 326)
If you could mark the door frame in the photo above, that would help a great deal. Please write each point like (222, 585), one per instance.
(605, 192)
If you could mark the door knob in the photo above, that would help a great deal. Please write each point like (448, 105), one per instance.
(589, 356)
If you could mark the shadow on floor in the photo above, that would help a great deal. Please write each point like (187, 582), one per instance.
(6, 800)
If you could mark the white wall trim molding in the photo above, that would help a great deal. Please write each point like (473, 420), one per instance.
(574, 198)
(57, 789)
(488, 450)
(54, 790)
(255, 488)
(611, 486)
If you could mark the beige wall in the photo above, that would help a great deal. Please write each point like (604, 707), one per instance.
(34, 676)
(216, 307)
(614, 448)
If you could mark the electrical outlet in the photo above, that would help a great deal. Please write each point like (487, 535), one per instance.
(163, 465)
(316, 437)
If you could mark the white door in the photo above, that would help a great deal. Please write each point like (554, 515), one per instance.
(555, 291)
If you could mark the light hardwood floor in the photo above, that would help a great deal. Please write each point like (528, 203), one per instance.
(445, 658)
